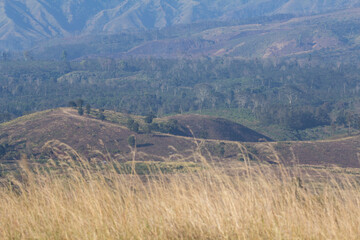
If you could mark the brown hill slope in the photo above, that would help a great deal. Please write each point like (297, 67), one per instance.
(51, 132)
(343, 152)
(300, 35)
(207, 127)
(63, 133)
(45, 132)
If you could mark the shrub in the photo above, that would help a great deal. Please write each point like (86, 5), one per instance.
(149, 118)
(133, 125)
(81, 111)
(2, 150)
(132, 141)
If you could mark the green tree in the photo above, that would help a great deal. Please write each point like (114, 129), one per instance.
(171, 126)
(147, 128)
(88, 108)
(132, 141)
(5, 56)
(133, 125)
(81, 111)
(102, 117)
(79, 102)
(72, 104)
(64, 56)
(149, 118)
(2, 150)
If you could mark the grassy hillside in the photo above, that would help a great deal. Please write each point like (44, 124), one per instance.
(275, 131)
(253, 202)
(57, 132)
(214, 128)
(63, 133)
(69, 183)
(90, 136)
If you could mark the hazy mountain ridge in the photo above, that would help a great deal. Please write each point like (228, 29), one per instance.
(287, 37)
(23, 22)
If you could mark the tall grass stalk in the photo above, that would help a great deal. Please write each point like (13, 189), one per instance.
(260, 202)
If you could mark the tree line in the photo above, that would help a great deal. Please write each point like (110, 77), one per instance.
(285, 92)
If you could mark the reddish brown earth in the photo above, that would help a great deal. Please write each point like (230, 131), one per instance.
(87, 136)
(60, 132)
(216, 128)
(344, 152)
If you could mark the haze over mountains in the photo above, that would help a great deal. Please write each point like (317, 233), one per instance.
(25, 22)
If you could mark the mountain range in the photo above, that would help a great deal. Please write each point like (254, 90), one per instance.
(24, 23)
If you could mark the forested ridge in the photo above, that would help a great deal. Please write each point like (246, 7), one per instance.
(276, 68)
(291, 93)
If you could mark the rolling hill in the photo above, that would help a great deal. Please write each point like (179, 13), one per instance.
(215, 128)
(62, 133)
(38, 133)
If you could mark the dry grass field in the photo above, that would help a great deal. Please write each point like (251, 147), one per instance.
(81, 200)
(284, 190)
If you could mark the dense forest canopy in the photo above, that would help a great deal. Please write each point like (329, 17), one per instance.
(292, 93)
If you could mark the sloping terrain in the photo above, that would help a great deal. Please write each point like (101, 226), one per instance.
(333, 34)
(344, 152)
(215, 128)
(24, 22)
(62, 132)
(303, 35)
(87, 136)
(41, 133)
